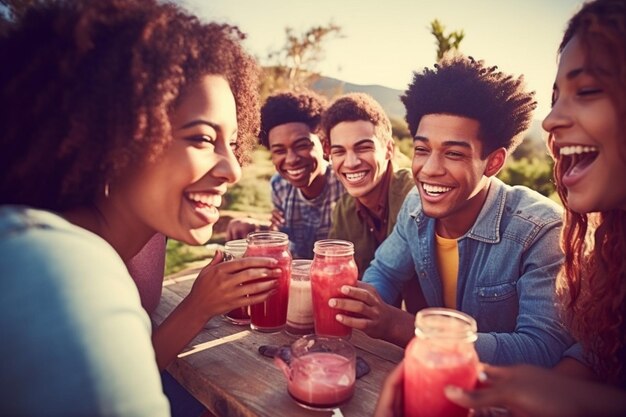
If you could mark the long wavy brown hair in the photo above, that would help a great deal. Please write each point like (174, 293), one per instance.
(88, 86)
(592, 283)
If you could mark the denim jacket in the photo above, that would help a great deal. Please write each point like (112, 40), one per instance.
(508, 262)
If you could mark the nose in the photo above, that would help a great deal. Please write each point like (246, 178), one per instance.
(557, 118)
(227, 167)
(351, 160)
(432, 166)
(291, 157)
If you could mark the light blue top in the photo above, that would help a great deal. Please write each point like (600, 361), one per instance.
(75, 340)
(508, 262)
(305, 220)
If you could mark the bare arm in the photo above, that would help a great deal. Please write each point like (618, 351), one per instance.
(532, 391)
(220, 287)
(391, 396)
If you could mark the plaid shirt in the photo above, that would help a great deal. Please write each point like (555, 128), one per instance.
(305, 220)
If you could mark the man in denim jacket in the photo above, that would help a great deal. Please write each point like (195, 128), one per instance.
(473, 243)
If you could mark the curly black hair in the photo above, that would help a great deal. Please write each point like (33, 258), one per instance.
(465, 87)
(353, 107)
(89, 87)
(291, 107)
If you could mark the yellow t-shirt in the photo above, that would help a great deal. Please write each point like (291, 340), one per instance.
(448, 265)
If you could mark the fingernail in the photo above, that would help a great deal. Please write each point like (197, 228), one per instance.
(332, 302)
(482, 376)
(339, 318)
(452, 392)
(345, 290)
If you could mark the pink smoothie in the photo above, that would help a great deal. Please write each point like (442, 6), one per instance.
(328, 274)
(322, 380)
(272, 314)
(424, 382)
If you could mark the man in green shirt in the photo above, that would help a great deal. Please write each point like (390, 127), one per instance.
(358, 135)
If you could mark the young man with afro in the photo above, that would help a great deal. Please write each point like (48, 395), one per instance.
(474, 243)
(304, 188)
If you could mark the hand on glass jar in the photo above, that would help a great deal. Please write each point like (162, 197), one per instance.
(363, 309)
(224, 286)
(270, 315)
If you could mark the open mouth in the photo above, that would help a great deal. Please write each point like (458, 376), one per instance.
(435, 190)
(576, 159)
(353, 177)
(295, 172)
(205, 205)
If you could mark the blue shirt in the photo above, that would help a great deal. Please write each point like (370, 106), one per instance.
(305, 220)
(75, 339)
(508, 263)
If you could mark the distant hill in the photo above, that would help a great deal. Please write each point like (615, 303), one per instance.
(388, 98)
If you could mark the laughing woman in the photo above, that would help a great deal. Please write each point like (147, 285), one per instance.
(587, 127)
(120, 119)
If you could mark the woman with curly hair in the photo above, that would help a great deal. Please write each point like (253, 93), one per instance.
(120, 119)
(587, 127)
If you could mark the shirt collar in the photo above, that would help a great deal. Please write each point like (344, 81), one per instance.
(486, 228)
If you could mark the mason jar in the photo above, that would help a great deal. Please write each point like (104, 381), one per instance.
(441, 353)
(271, 315)
(333, 266)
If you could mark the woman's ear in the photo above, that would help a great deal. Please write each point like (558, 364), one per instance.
(495, 162)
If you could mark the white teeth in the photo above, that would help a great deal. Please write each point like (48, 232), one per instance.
(435, 189)
(355, 176)
(206, 199)
(295, 172)
(571, 150)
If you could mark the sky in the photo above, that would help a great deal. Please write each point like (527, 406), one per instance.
(385, 41)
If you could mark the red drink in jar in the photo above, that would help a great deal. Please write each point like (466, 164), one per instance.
(442, 353)
(271, 315)
(234, 249)
(333, 266)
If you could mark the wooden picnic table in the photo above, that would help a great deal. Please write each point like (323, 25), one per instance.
(223, 369)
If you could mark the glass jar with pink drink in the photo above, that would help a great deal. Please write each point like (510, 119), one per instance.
(442, 353)
(321, 373)
(333, 266)
(270, 316)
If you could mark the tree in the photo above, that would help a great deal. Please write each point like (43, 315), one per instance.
(445, 43)
(293, 65)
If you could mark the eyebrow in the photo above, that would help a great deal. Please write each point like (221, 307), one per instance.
(570, 76)
(445, 143)
(359, 143)
(574, 73)
(200, 122)
(297, 142)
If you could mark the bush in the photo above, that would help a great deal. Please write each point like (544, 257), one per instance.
(535, 173)
(252, 192)
(179, 255)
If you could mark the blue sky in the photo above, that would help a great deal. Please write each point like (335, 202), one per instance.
(385, 41)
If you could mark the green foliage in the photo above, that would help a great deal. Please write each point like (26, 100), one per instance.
(179, 255)
(252, 192)
(399, 128)
(535, 173)
(405, 145)
(445, 43)
(293, 65)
